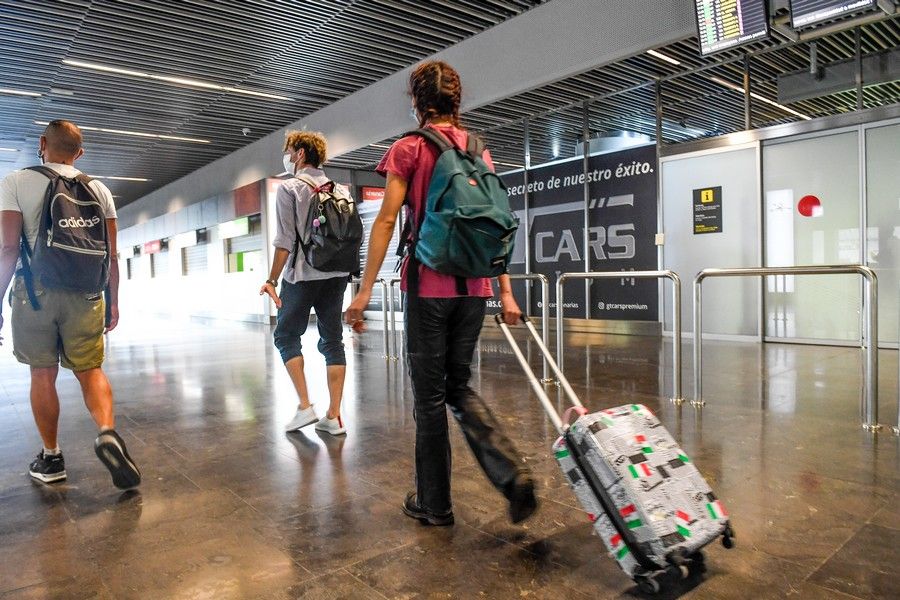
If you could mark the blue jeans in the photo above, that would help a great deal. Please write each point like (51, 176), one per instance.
(326, 296)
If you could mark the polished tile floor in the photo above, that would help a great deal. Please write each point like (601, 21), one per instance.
(233, 508)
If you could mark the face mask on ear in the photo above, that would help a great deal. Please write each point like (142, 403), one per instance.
(413, 115)
(289, 166)
(40, 154)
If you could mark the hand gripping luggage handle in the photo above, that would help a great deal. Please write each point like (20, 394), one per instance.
(561, 426)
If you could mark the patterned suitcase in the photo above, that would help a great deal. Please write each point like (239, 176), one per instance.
(648, 502)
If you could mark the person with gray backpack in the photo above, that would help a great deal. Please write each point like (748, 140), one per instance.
(58, 238)
(460, 234)
(317, 241)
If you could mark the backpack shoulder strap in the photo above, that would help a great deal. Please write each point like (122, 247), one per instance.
(45, 171)
(328, 186)
(435, 137)
(474, 145)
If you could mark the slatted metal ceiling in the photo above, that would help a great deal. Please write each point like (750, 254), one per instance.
(694, 106)
(314, 52)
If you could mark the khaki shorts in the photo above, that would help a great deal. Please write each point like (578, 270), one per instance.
(67, 330)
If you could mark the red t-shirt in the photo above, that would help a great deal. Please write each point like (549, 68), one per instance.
(413, 159)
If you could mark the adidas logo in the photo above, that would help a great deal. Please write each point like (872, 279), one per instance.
(80, 222)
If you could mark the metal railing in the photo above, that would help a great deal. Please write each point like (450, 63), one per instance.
(676, 316)
(545, 313)
(869, 409)
(392, 353)
(385, 345)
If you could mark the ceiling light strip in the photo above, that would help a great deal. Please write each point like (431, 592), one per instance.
(739, 89)
(19, 92)
(157, 136)
(9, 149)
(662, 56)
(176, 80)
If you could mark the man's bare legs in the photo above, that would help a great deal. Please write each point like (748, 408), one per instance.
(45, 404)
(98, 397)
(336, 375)
(295, 370)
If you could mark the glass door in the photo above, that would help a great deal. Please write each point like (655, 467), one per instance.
(811, 196)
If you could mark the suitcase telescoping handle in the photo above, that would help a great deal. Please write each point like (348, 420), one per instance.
(561, 424)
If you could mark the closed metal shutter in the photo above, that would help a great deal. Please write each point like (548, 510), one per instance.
(161, 264)
(194, 259)
(250, 242)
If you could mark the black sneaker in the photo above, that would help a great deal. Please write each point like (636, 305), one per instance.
(48, 469)
(111, 451)
(522, 501)
(412, 509)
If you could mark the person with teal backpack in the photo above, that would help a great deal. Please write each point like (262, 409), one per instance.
(460, 232)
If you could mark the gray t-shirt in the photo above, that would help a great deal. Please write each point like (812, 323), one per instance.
(292, 203)
(24, 191)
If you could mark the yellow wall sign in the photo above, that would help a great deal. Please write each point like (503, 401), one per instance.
(708, 210)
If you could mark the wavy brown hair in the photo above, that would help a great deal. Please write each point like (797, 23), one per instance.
(436, 92)
(311, 141)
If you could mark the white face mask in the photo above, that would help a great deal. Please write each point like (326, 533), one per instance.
(413, 114)
(289, 166)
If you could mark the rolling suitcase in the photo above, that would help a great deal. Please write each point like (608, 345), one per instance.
(647, 501)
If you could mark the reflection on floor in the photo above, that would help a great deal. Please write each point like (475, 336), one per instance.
(233, 508)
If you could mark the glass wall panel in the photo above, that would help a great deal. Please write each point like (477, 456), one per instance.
(732, 305)
(812, 212)
(883, 222)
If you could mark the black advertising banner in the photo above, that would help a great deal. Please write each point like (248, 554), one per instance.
(621, 230)
(708, 210)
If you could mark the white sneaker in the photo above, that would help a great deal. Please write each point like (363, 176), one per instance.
(332, 426)
(305, 416)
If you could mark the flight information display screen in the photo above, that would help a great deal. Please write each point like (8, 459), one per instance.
(723, 24)
(810, 12)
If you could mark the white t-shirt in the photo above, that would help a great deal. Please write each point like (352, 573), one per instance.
(24, 191)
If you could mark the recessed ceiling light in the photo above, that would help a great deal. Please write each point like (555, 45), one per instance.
(62, 92)
(9, 149)
(18, 92)
(136, 133)
(739, 89)
(662, 56)
(117, 178)
(176, 80)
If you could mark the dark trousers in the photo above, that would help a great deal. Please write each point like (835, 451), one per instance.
(327, 297)
(441, 334)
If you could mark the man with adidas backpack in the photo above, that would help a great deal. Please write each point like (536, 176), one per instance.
(461, 233)
(58, 237)
(317, 241)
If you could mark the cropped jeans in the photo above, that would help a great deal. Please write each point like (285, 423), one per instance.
(326, 296)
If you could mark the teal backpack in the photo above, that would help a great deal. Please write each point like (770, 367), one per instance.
(467, 229)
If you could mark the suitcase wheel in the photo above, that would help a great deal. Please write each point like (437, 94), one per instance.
(647, 584)
(678, 572)
(728, 538)
(697, 566)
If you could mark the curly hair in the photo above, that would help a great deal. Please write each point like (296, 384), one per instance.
(312, 142)
(436, 92)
